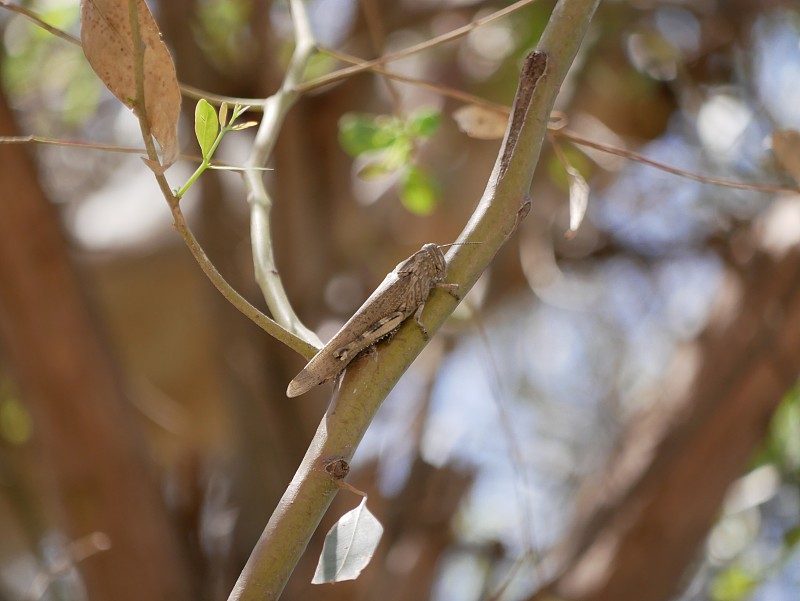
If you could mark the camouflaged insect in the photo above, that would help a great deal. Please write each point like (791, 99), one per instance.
(402, 293)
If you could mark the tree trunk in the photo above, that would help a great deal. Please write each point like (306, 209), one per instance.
(67, 379)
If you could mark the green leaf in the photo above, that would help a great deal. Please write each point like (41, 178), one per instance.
(424, 123)
(418, 192)
(360, 133)
(400, 153)
(349, 546)
(206, 126)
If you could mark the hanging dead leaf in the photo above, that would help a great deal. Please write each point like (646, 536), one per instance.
(480, 122)
(578, 200)
(578, 191)
(786, 148)
(107, 39)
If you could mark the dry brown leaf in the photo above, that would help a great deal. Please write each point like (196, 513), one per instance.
(786, 148)
(107, 41)
(479, 122)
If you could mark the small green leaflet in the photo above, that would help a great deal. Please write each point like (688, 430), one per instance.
(206, 126)
(360, 133)
(207, 129)
(418, 191)
(223, 114)
(423, 123)
(389, 145)
(349, 546)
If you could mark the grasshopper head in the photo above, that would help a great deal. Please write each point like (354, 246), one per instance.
(436, 255)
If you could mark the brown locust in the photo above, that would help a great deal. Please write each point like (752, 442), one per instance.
(402, 293)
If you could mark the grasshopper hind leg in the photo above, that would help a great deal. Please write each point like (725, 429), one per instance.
(381, 328)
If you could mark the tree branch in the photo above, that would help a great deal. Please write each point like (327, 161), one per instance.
(368, 380)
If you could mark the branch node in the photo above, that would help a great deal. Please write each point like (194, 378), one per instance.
(337, 468)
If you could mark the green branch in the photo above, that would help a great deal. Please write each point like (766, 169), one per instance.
(367, 381)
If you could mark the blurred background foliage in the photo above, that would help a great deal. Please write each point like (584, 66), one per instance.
(475, 460)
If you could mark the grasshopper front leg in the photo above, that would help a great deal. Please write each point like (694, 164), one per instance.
(451, 288)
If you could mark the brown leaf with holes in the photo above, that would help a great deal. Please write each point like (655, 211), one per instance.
(107, 39)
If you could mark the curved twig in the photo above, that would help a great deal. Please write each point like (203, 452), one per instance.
(275, 109)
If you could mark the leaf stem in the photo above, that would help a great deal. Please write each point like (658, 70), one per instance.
(180, 192)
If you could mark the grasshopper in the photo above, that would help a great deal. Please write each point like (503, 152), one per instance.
(402, 293)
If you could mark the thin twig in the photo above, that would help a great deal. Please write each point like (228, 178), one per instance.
(70, 143)
(359, 65)
(416, 48)
(80, 144)
(377, 37)
(274, 329)
(186, 90)
(255, 104)
(238, 301)
(275, 109)
(29, 14)
(448, 92)
(640, 158)
(304, 347)
(344, 485)
(559, 130)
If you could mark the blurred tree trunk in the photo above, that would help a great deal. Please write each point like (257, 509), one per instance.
(67, 379)
(639, 526)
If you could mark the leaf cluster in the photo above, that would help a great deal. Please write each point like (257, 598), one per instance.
(387, 146)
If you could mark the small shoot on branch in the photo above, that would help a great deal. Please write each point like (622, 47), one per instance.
(209, 129)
